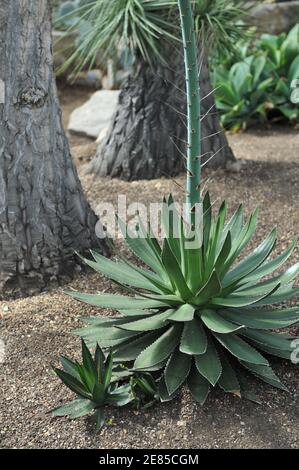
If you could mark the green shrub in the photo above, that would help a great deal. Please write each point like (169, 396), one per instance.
(243, 92)
(260, 86)
(283, 64)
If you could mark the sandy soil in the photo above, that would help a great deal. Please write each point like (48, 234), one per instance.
(37, 330)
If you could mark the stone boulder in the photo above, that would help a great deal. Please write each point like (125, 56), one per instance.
(275, 18)
(94, 115)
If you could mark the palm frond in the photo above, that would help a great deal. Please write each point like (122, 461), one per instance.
(221, 23)
(145, 28)
(140, 26)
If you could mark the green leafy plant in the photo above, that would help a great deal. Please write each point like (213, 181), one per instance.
(242, 92)
(199, 315)
(281, 50)
(93, 384)
(259, 87)
(283, 63)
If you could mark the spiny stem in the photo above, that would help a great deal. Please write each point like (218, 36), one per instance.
(193, 107)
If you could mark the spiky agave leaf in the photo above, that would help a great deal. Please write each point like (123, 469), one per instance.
(93, 384)
(198, 316)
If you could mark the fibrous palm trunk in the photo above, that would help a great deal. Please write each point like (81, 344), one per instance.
(44, 215)
(147, 136)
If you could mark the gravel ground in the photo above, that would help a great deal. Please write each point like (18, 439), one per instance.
(37, 330)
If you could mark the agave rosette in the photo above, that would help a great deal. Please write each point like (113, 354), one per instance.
(199, 316)
(94, 385)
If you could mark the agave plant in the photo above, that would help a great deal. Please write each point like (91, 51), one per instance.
(93, 384)
(196, 316)
(199, 315)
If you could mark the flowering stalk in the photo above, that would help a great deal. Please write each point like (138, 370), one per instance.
(193, 103)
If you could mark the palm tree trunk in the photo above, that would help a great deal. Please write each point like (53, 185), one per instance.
(147, 136)
(44, 215)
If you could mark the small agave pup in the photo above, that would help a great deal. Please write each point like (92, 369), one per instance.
(199, 316)
(93, 384)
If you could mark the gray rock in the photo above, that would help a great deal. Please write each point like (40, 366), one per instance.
(275, 18)
(94, 115)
